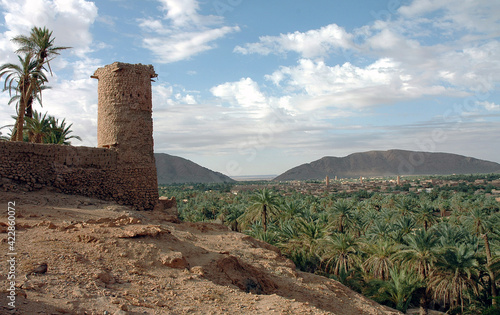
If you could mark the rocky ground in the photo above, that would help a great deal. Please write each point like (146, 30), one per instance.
(105, 258)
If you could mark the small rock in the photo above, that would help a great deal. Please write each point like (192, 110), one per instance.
(174, 260)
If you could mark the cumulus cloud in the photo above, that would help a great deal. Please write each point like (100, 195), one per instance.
(21, 16)
(182, 32)
(310, 44)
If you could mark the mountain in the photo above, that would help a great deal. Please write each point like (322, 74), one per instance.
(173, 169)
(389, 163)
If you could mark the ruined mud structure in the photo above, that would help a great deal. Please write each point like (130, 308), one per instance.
(121, 168)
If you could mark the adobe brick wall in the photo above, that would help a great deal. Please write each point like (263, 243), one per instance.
(122, 168)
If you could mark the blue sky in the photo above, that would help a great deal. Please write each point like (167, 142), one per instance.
(257, 87)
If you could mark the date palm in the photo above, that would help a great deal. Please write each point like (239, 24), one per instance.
(398, 289)
(401, 227)
(380, 258)
(339, 251)
(419, 255)
(341, 216)
(424, 214)
(456, 273)
(40, 44)
(483, 225)
(264, 205)
(60, 132)
(378, 231)
(303, 241)
(39, 127)
(25, 81)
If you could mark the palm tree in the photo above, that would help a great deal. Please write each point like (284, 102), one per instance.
(339, 251)
(405, 205)
(424, 214)
(401, 227)
(456, 273)
(264, 204)
(484, 225)
(60, 133)
(380, 260)
(379, 230)
(301, 241)
(26, 81)
(40, 44)
(419, 255)
(449, 235)
(39, 127)
(341, 214)
(399, 289)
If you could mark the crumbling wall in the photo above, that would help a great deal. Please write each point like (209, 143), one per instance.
(122, 168)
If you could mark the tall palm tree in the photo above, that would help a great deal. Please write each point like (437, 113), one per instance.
(40, 44)
(263, 204)
(456, 273)
(380, 258)
(339, 251)
(341, 214)
(484, 225)
(26, 81)
(419, 255)
(424, 214)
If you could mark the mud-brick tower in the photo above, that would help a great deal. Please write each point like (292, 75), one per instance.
(125, 124)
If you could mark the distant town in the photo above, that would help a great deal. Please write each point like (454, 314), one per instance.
(487, 184)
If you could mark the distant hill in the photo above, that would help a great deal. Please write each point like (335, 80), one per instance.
(173, 169)
(388, 163)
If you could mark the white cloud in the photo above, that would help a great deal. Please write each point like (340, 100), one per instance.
(489, 106)
(184, 13)
(183, 45)
(477, 15)
(310, 44)
(182, 32)
(244, 93)
(56, 15)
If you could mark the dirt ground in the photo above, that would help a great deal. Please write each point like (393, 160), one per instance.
(104, 258)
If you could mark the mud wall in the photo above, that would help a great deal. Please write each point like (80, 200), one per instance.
(84, 171)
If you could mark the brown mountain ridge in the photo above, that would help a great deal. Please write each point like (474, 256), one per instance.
(173, 169)
(389, 163)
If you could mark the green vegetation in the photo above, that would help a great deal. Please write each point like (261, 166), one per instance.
(26, 81)
(434, 250)
(46, 129)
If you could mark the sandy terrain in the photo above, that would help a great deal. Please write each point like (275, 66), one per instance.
(104, 258)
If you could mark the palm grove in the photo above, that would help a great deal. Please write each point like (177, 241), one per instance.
(436, 250)
(25, 82)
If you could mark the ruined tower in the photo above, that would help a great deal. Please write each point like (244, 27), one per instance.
(125, 124)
